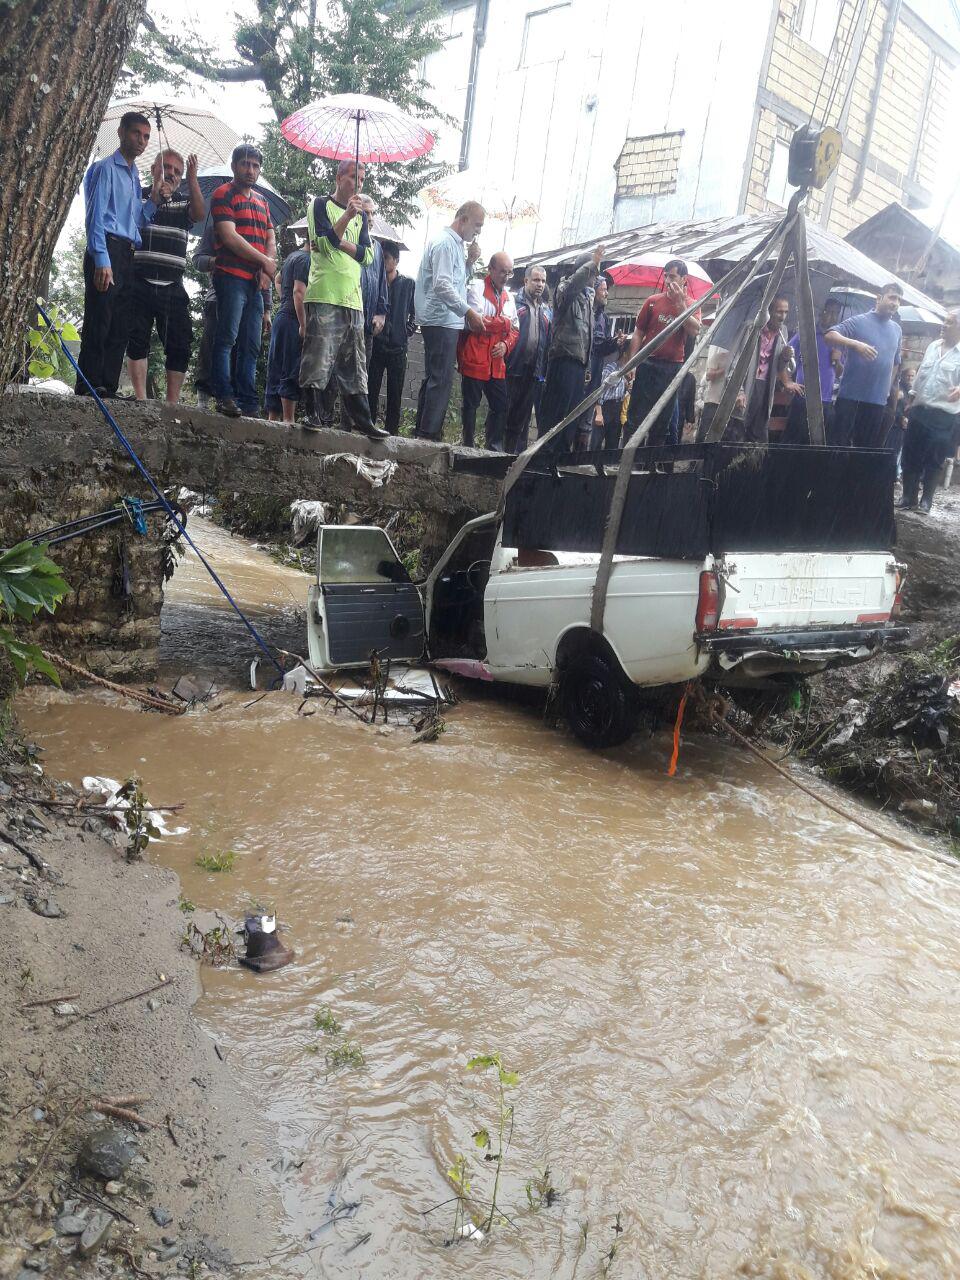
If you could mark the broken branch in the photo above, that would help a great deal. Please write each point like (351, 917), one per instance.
(112, 1004)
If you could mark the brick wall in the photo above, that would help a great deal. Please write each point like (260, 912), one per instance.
(908, 130)
(648, 166)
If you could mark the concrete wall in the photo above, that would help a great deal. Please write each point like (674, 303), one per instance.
(59, 461)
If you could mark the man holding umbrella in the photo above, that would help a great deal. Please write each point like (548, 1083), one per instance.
(333, 346)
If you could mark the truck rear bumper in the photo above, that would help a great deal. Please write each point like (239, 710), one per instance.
(758, 654)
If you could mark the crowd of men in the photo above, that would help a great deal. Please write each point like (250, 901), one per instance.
(346, 314)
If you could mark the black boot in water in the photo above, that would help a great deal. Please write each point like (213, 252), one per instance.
(911, 491)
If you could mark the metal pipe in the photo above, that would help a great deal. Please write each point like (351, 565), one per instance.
(886, 40)
(479, 40)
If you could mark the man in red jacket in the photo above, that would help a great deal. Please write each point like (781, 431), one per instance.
(482, 357)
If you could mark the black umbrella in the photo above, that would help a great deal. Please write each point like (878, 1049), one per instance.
(210, 179)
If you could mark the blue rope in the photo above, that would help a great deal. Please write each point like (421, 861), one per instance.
(167, 507)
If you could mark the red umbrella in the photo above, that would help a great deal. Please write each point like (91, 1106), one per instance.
(354, 126)
(646, 272)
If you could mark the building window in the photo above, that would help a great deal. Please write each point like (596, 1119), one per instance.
(649, 166)
(545, 35)
(817, 22)
(778, 188)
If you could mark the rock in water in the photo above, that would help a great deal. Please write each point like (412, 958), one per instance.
(106, 1153)
(94, 1233)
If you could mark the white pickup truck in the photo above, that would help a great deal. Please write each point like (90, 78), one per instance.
(500, 607)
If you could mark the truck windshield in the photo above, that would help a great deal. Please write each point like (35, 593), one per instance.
(358, 555)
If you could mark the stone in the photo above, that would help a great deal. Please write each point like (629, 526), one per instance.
(34, 1263)
(65, 1009)
(7, 899)
(162, 1217)
(5, 790)
(168, 1253)
(113, 1188)
(95, 1233)
(39, 1114)
(44, 1236)
(11, 1258)
(153, 1004)
(48, 907)
(69, 1224)
(106, 1153)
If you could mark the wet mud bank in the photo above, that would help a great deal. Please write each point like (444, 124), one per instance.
(86, 1188)
(890, 729)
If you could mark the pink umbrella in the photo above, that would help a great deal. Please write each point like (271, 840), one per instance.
(645, 271)
(354, 126)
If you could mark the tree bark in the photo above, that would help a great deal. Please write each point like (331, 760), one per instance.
(58, 66)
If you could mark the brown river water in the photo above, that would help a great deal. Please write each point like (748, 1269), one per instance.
(733, 1014)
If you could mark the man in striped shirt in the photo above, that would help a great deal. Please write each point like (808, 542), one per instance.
(246, 262)
(158, 292)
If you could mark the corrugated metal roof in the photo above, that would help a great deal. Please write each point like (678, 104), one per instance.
(720, 242)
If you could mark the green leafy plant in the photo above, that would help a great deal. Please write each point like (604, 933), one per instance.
(347, 1054)
(140, 828)
(462, 1219)
(222, 860)
(29, 582)
(505, 1079)
(540, 1190)
(185, 905)
(324, 1021)
(46, 355)
(215, 946)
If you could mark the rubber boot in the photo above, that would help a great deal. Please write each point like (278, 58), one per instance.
(911, 491)
(930, 478)
(358, 407)
(265, 950)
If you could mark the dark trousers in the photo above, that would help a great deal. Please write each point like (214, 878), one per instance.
(651, 380)
(607, 436)
(563, 390)
(734, 429)
(929, 439)
(106, 320)
(394, 365)
(796, 431)
(858, 425)
(474, 389)
(524, 395)
(439, 357)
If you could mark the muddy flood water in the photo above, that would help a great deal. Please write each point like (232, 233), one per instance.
(734, 1016)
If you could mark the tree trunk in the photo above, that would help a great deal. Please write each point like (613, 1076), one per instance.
(58, 65)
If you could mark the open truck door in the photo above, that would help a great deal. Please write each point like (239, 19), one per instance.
(362, 600)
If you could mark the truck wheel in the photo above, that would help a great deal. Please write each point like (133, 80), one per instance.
(599, 704)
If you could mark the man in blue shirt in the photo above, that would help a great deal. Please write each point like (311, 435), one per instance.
(440, 298)
(871, 344)
(115, 212)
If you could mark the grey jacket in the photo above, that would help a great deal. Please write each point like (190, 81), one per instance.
(573, 316)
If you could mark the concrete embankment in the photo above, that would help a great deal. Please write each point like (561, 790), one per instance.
(59, 461)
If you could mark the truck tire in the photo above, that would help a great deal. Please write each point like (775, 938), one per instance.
(598, 702)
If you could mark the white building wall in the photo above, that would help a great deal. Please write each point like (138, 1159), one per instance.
(562, 85)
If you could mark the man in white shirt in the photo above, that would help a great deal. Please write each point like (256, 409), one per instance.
(440, 299)
(934, 417)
